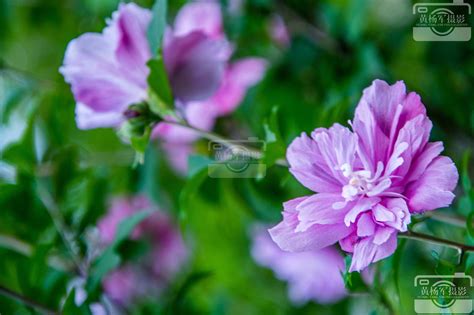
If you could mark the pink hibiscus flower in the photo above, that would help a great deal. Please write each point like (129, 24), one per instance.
(368, 181)
(167, 255)
(108, 71)
(314, 275)
(206, 17)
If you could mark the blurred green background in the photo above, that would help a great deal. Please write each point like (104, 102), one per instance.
(337, 48)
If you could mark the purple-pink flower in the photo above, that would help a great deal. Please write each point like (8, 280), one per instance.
(369, 180)
(238, 76)
(314, 275)
(167, 255)
(108, 72)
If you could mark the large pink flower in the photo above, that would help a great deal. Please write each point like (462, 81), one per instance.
(312, 275)
(167, 255)
(108, 71)
(369, 180)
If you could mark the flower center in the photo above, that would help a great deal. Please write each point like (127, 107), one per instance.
(362, 182)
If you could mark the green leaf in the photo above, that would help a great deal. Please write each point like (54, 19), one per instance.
(197, 173)
(160, 94)
(469, 224)
(179, 300)
(466, 181)
(275, 146)
(157, 25)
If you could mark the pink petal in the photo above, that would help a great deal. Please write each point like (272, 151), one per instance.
(318, 209)
(87, 118)
(434, 188)
(195, 64)
(315, 237)
(309, 167)
(365, 225)
(238, 77)
(107, 71)
(421, 162)
(199, 16)
(366, 252)
(362, 205)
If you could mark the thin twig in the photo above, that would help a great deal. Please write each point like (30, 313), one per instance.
(62, 228)
(26, 301)
(297, 24)
(461, 248)
(237, 148)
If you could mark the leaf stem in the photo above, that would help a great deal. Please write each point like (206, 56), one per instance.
(461, 248)
(25, 300)
(61, 227)
(236, 146)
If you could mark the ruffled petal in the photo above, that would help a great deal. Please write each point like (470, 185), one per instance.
(367, 252)
(318, 209)
(434, 187)
(315, 237)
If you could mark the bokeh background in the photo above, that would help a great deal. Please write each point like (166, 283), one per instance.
(336, 49)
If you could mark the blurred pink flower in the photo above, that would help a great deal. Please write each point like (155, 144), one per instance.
(206, 16)
(108, 71)
(312, 275)
(369, 180)
(167, 255)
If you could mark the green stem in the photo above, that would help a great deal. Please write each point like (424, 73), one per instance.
(461, 248)
(62, 229)
(25, 301)
(236, 147)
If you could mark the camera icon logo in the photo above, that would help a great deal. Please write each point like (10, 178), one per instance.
(237, 159)
(441, 294)
(442, 21)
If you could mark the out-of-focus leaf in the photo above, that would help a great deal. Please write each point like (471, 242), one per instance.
(275, 146)
(198, 172)
(149, 174)
(157, 25)
(161, 96)
(178, 301)
(466, 181)
(470, 224)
